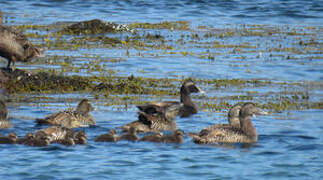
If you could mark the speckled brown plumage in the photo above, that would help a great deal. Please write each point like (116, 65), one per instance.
(246, 133)
(112, 136)
(71, 119)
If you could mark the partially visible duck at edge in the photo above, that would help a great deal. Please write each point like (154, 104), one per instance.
(176, 137)
(4, 122)
(71, 118)
(131, 135)
(157, 119)
(10, 139)
(112, 136)
(246, 133)
(14, 45)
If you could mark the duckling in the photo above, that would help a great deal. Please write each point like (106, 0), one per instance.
(112, 136)
(246, 133)
(188, 107)
(131, 135)
(4, 122)
(26, 139)
(14, 45)
(177, 137)
(31, 140)
(71, 119)
(67, 141)
(56, 133)
(156, 137)
(157, 119)
(10, 139)
(80, 138)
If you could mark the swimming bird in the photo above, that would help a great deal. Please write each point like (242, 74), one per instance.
(162, 118)
(246, 133)
(176, 137)
(233, 119)
(31, 140)
(188, 107)
(15, 46)
(71, 119)
(112, 136)
(4, 122)
(10, 139)
(156, 137)
(131, 135)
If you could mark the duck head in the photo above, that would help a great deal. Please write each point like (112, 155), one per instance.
(84, 107)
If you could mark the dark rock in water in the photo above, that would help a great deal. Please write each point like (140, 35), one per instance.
(19, 81)
(95, 26)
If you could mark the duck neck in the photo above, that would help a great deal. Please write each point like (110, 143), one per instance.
(247, 126)
(186, 97)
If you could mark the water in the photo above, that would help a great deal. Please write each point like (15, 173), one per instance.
(290, 142)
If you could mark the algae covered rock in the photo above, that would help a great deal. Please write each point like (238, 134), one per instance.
(96, 26)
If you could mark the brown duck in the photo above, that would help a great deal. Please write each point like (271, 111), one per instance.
(233, 119)
(62, 135)
(131, 135)
(70, 118)
(163, 118)
(14, 45)
(112, 136)
(188, 107)
(10, 139)
(156, 137)
(246, 133)
(176, 137)
(4, 122)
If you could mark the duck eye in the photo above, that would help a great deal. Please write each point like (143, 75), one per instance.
(26, 46)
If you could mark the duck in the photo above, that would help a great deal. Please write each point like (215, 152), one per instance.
(71, 118)
(67, 141)
(62, 135)
(233, 119)
(162, 119)
(188, 107)
(15, 46)
(80, 138)
(131, 135)
(112, 136)
(4, 122)
(156, 137)
(31, 140)
(176, 137)
(246, 133)
(10, 139)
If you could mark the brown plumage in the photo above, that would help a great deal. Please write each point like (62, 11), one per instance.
(156, 119)
(10, 139)
(156, 137)
(131, 135)
(14, 45)
(112, 136)
(71, 119)
(176, 137)
(31, 140)
(4, 122)
(188, 108)
(246, 133)
(62, 135)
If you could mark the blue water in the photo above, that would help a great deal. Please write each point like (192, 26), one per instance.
(290, 143)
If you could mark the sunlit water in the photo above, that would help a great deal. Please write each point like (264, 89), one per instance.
(290, 143)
